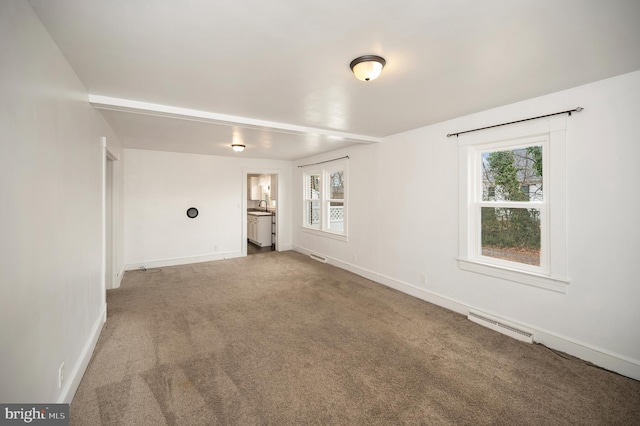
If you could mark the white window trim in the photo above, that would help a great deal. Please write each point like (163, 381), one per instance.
(305, 191)
(475, 203)
(325, 234)
(323, 230)
(552, 274)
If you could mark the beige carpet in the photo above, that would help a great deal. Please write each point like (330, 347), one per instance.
(279, 339)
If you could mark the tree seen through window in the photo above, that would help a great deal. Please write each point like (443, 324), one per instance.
(512, 232)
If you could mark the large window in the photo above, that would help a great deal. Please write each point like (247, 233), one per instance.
(325, 201)
(312, 201)
(509, 179)
(509, 207)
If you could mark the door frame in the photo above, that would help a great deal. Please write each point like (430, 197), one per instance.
(243, 216)
(109, 222)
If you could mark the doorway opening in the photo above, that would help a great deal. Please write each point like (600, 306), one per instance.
(261, 214)
(110, 225)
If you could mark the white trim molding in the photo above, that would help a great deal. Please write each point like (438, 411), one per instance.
(558, 285)
(323, 227)
(325, 234)
(611, 361)
(552, 274)
(69, 390)
(181, 260)
(132, 106)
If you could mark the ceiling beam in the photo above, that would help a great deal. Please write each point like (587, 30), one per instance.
(137, 107)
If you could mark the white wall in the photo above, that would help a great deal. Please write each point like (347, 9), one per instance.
(362, 199)
(51, 182)
(161, 186)
(403, 217)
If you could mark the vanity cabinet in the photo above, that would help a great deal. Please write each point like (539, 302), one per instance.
(259, 229)
(251, 227)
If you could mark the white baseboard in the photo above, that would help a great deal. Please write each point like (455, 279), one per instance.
(284, 247)
(69, 390)
(120, 277)
(600, 357)
(404, 287)
(181, 260)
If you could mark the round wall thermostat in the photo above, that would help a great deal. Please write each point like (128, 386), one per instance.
(192, 212)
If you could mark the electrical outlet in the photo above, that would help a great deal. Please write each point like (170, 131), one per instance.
(354, 259)
(61, 375)
(215, 248)
(423, 278)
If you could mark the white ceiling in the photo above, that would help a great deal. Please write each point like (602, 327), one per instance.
(285, 63)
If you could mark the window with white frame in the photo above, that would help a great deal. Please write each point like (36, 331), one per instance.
(509, 180)
(325, 201)
(312, 199)
(509, 218)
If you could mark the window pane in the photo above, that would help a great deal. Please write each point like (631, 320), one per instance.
(511, 234)
(512, 175)
(336, 216)
(313, 187)
(336, 185)
(312, 213)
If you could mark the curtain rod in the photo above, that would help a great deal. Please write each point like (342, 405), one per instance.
(321, 162)
(578, 109)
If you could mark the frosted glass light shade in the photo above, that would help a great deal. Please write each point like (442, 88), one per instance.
(237, 147)
(367, 68)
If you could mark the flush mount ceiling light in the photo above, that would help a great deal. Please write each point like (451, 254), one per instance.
(368, 67)
(237, 147)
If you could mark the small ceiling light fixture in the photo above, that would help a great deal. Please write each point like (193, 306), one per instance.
(368, 67)
(237, 147)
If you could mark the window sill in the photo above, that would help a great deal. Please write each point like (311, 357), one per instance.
(326, 234)
(558, 285)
